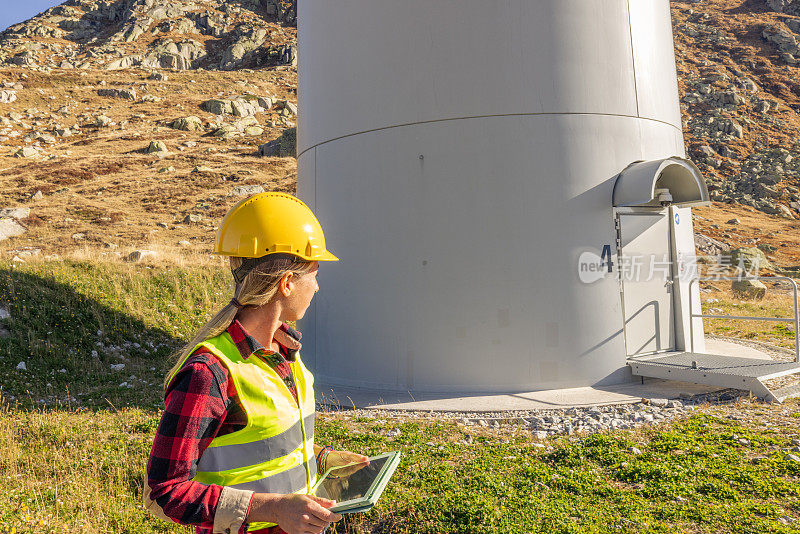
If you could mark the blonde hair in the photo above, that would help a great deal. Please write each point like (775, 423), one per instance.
(257, 288)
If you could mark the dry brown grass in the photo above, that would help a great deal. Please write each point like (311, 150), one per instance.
(100, 183)
(721, 300)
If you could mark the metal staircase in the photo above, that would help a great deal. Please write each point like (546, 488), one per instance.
(748, 374)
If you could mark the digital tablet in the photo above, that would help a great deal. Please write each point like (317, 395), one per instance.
(357, 490)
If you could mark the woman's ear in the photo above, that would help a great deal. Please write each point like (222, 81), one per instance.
(286, 285)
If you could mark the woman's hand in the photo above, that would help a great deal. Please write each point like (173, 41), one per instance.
(294, 513)
(337, 458)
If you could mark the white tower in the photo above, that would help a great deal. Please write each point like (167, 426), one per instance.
(463, 157)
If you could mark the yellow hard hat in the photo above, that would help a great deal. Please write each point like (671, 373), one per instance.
(271, 223)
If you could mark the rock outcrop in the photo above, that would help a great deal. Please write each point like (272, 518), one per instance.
(163, 34)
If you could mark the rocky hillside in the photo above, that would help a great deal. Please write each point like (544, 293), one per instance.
(740, 95)
(131, 124)
(120, 34)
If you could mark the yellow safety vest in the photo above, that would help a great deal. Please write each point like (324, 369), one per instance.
(274, 453)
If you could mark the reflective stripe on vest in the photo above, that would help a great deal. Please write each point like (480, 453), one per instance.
(274, 452)
(291, 481)
(238, 455)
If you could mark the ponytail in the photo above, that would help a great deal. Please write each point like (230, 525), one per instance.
(258, 288)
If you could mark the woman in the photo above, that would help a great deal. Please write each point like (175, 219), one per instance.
(234, 451)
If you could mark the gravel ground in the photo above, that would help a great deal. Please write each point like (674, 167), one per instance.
(566, 421)
(554, 422)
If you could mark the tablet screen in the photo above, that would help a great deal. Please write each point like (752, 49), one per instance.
(353, 485)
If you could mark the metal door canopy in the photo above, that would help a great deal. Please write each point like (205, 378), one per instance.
(637, 184)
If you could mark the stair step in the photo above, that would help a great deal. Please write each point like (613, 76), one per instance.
(747, 374)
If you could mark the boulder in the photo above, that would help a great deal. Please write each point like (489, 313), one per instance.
(784, 39)
(270, 149)
(207, 24)
(125, 62)
(245, 122)
(170, 55)
(246, 190)
(287, 108)
(226, 131)
(26, 152)
(6, 97)
(187, 124)
(284, 10)
(709, 245)
(244, 108)
(288, 142)
(24, 59)
(288, 55)
(767, 191)
(706, 151)
(15, 213)
(785, 212)
(778, 5)
(10, 228)
(750, 259)
(236, 53)
(127, 94)
(284, 146)
(133, 33)
(266, 102)
(752, 289)
(183, 26)
(139, 255)
(749, 85)
(156, 147)
(133, 29)
(217, 107)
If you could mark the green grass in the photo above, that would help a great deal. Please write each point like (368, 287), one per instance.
(82, 471)
(774, 304)
(78, 466)
(76, 471)
(63, 312)
(693, 476)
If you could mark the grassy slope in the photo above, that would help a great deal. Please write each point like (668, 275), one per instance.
(63, 311)
(78, 468)
(80, 471)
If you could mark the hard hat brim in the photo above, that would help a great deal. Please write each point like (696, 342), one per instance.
(326, 256)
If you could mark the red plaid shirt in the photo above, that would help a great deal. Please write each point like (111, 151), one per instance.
(201, 403)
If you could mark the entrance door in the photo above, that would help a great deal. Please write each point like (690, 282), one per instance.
(647, 279)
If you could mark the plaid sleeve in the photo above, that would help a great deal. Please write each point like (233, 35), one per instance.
(195, 405)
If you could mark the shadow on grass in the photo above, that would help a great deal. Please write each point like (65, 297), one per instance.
(61, 348)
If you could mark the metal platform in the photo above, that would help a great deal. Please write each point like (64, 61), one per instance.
(747, 374)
